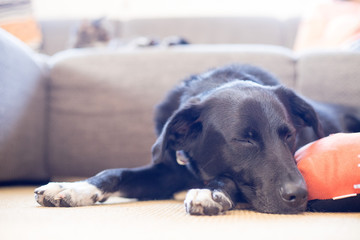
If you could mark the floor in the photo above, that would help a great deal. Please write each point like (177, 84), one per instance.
(22, 218)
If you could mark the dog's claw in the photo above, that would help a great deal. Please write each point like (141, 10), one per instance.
(47, 203)
(39, 192)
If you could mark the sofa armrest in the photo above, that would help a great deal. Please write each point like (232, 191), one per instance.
(22, 112)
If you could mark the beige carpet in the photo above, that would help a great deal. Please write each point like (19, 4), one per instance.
(22, 218)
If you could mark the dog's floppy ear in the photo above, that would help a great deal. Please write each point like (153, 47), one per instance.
(301, 112)
(179, 131)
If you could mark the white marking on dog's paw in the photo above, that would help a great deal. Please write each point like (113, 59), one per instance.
(68, 194)
(206, 202)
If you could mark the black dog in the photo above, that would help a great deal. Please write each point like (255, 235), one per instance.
(229, 135)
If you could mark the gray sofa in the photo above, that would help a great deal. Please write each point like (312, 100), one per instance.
(81, 111)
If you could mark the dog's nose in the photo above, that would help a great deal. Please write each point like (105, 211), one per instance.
(294, 193)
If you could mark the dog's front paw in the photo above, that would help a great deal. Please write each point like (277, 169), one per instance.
(67, 194)
(206, 202)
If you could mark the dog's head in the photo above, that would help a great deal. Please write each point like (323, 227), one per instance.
(247, 132)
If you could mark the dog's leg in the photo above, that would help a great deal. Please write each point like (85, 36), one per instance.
(216, 198)
(152, 182)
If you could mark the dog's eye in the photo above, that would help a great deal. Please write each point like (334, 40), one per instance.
(289, 136)
(243, 141)
(247, 137)
(286, 133)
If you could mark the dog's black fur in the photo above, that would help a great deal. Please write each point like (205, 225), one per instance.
(238, 129)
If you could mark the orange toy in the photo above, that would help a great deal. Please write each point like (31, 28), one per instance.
(331, 166)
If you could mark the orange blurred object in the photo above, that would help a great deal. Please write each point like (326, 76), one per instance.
(331, 166)
(25, 28)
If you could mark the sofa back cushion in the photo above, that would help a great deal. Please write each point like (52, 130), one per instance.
(330, 76)
(102, 102)
(216, 30)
